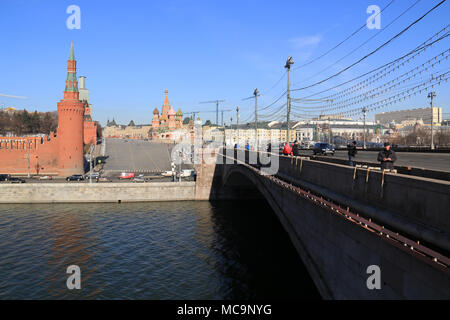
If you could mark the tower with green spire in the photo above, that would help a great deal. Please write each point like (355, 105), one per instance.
(70, 124)
(71, 79)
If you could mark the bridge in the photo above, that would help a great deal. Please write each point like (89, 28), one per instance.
(343, 220)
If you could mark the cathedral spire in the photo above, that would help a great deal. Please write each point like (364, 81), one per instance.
(166, 106)
(166, 99)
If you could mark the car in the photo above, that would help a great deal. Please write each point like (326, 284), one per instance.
(138, 179)
(103, 179)
(16, 180)
(46, 178)
(323, 148)
(126, 175)
(168, 173)
(94, 175)
(75, 177)
(187, 173)
(4, 177)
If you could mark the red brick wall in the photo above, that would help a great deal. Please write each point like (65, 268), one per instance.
(43, 155)
(90, 132)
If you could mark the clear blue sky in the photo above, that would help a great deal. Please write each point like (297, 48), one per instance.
(131, 51)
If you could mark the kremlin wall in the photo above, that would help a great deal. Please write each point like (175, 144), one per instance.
(62, 152)
(59, 153)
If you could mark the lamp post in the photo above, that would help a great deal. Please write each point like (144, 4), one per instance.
(364, 110)
(237, 123)
(255, 93)
(431, 95)
(289, 62)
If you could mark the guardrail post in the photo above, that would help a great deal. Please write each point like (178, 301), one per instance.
(382, 185)
(367, 180)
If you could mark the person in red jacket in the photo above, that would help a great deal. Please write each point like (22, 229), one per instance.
(287, 150)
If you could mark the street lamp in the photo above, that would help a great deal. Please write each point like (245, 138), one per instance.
(288, 64)
(431, 95)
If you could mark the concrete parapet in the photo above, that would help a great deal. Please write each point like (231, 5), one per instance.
(96, 192)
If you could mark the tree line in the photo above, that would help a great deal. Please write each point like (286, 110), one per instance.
(422, 137)
(19, 123)
(24, 122)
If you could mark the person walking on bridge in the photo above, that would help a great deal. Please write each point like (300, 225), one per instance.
(296, 149)
(387, 157)
(287, 150)
(351, 153)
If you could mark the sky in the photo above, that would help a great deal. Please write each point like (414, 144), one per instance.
(131, 51)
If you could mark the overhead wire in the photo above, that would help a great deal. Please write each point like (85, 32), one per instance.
(375, 50)
(343, 41)
(355, 49)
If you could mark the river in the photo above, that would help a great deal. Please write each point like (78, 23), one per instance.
(158, 250)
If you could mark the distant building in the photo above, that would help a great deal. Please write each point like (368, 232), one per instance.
(322, 130)
(411, 115)
(113, 130)
(164, 126)
(168, 121)
(9, 110)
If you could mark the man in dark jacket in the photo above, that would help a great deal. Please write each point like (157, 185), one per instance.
(351, 152)
(387, 157)
(296, 149)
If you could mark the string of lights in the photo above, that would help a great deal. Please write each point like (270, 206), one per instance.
(406, 93)
(386, 68)
(373, 93)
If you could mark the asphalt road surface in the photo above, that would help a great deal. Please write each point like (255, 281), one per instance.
(136, 156)
(433, 161)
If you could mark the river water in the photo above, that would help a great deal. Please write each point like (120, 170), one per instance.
(167, 250)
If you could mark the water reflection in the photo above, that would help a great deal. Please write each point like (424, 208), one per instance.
(169, 250)
(72, 245)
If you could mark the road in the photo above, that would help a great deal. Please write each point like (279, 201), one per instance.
(433, 161)
(136, 156)
(114, 178)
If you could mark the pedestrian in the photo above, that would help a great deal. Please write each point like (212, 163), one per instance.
(296, 149)
(269, 147)
(287, 150)
(247, 146)
(351, 153)
(387, 157)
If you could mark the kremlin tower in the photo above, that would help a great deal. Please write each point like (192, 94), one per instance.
(70, 124)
